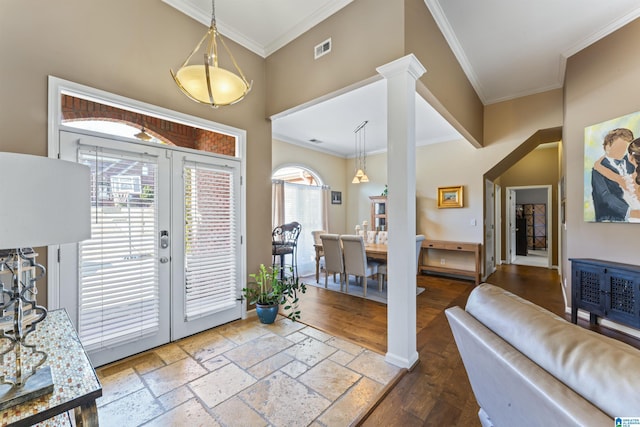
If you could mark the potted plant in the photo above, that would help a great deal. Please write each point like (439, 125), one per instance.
(268, 289)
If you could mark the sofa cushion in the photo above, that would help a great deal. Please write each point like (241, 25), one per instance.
(604, 371)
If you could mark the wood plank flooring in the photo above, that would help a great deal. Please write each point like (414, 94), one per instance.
(436, 391)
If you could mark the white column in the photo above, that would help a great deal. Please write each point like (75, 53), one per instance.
(401, 76)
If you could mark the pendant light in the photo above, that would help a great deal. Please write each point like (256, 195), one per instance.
(206, 82)
(361, 154)
(143, 135)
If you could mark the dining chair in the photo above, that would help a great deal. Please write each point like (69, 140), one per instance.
(319, 249)
(382, 269)
(383, 237)
(355, 261)
(284, 241)
(371, 236)
(419, 239)
(333, 258)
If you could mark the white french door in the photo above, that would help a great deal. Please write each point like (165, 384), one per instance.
(206, 270)
(152, 271)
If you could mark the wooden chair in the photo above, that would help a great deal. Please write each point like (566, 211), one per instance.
(333, 259)
(355, 261)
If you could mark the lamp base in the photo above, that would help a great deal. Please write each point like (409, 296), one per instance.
(38, 384)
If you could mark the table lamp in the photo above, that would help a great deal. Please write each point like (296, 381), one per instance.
(44, 202)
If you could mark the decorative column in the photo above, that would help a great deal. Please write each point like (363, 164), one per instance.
(401, 76)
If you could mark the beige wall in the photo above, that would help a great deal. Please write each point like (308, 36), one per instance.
(358, 202)
(540, 167)
(330, 169)
(509, 123)
(126, 48)
(445, 80)
(601, 84)
(365, 34)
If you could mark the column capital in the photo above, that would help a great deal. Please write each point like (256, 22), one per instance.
(407, 64)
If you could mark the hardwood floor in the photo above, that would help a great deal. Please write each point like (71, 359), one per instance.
(436, 391)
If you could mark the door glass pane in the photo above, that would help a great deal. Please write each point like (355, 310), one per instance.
(118, 274)
(210, 242)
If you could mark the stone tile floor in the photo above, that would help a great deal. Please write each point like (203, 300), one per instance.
(245, 374)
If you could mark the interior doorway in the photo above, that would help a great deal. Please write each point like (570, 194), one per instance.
(528, 225)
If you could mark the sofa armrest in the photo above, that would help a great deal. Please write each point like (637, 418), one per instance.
(509, 387)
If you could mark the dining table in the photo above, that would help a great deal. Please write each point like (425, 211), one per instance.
(376, 251)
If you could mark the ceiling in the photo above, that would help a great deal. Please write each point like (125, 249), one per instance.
(507, 49)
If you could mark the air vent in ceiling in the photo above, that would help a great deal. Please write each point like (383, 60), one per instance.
(315, 141)
(322, 49)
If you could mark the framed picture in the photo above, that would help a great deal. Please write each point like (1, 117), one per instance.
(336, 197)
(450, 197)
(610, 192)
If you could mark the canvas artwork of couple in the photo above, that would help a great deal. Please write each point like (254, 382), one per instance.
(612, 170)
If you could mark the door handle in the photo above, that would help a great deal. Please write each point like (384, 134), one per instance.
(164, 239)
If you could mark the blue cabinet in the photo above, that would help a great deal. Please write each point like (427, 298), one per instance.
(605, 289)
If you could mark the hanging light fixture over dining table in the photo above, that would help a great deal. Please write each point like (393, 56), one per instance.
(361, 154)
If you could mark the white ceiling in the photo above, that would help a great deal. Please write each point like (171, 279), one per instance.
(507, 49)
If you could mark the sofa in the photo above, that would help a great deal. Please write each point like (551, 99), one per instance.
(529, 367)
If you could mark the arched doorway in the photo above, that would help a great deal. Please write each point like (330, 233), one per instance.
(298, 195)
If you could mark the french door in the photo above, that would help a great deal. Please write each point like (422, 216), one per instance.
(163, 259)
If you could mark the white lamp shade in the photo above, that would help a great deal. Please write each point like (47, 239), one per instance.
(44, 201)
(226, 87)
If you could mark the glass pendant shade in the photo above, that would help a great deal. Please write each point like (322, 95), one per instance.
(226, 87)
(206, 82)
(142, 135)
(364, 178)
(355, 180)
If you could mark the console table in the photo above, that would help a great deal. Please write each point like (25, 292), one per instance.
(433, 263)
(606, 289)
(75, 384)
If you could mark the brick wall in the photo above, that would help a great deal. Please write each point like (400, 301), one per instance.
(172, 133)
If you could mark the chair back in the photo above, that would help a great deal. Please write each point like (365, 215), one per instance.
(355, 256)
(371, 236)
(419, 239)
(316, 236)
(382, 237)
(286, 234)
(333, 261)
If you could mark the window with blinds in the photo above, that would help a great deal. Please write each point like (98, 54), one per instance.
(118, 296)
(210, 243)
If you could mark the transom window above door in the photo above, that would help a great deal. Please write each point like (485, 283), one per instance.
(90, 115)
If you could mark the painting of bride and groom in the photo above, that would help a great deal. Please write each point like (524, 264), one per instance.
(612, 170)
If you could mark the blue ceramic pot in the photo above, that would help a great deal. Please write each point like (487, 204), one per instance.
(267, 313)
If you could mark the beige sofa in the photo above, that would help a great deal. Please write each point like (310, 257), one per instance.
(529, 367)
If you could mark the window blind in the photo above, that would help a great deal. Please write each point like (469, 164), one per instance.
(118, 277)
(210, 246)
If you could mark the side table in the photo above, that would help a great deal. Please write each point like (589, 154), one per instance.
(75, 383)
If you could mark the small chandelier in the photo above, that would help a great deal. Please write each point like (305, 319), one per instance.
(207, 83)
(143, 135)
(361, 154)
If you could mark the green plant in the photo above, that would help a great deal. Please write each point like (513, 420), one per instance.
(267, 287)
